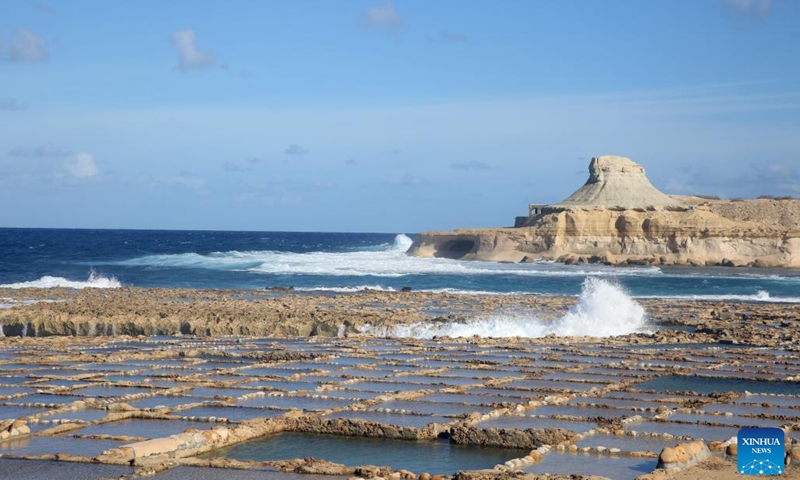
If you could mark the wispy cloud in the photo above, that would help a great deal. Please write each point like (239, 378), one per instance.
(183, 180)
(81, 165)
(295, 150)
(245, 165)
(44, 8)
(694, 99)
(449, 37)
(774, 178)
(190, 57)
(42, 151)
(271, 193)
(231, 166)
(323, 185)
(11, 105)
(412, 180)
(749, 8)
(760, 178)
(383, 17)
(472, 165)
(24, 46)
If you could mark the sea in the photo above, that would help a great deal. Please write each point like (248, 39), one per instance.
(338, 262)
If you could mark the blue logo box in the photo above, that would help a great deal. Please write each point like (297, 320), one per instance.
(760, 451)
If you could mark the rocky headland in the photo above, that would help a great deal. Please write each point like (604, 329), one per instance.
(618, 217)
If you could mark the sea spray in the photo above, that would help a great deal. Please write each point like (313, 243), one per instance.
(603, 309)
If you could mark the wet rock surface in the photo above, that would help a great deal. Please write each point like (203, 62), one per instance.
(159, 311)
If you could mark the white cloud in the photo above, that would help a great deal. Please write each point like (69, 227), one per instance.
(81, 165)
(750, 8)
(189, 56)
(25, 47)
(383, 17)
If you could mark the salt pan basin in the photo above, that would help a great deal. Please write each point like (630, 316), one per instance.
(435, 457)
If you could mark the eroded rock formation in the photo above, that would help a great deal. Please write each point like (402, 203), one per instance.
(618, 217)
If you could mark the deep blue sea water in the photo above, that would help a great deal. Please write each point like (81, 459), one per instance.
(335, 261)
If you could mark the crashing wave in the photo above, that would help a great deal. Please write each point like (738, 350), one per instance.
(94, 281)
(603, 310)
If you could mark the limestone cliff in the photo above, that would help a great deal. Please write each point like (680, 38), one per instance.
(618, 217)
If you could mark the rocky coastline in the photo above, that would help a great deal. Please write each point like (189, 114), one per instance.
(135, 311)
(619, 218)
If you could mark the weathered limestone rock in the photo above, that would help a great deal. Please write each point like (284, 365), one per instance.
(683, 455)
(794, 453)
(509, 438)
(13, 428)
(732, 449)
(617, 182)
(355, 428)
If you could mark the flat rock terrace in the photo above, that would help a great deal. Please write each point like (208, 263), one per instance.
(237, 407)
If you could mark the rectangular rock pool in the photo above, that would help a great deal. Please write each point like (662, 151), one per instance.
(434, 457)
(619, 468)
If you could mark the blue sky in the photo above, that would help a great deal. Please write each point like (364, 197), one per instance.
(383, 116)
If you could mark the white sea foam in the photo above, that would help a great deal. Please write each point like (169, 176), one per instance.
(14, 302)
(380, 288)
(386, 261)
(603, 310)
(761, 296)
(94, 281)
(355, 289)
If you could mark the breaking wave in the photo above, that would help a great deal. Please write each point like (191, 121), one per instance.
(384, 261)
(603, 310)
(94, 281)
